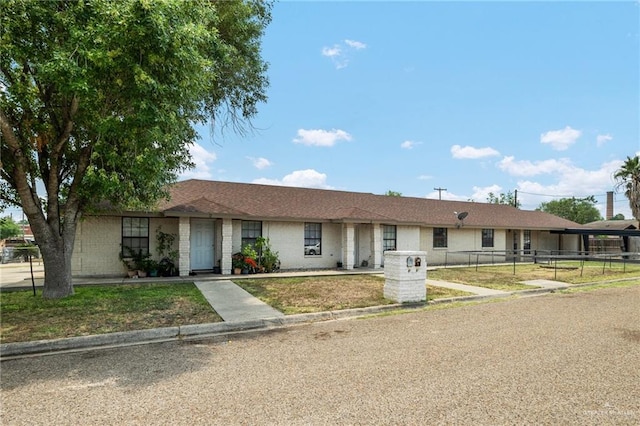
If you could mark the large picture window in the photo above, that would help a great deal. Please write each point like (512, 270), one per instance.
(439, 237)
(487, 238)
(389, 237)
(251, 230)
(135, 235)
(312, 239)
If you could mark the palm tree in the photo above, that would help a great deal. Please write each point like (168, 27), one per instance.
(628, 178)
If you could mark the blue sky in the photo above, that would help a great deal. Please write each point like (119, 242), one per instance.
(474, 97)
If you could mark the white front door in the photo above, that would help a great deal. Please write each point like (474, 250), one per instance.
(201, 244)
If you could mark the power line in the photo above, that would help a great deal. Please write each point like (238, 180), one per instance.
(561, 196)
(440, 192)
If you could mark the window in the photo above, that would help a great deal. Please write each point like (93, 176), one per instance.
(487, 238)
(251, 230)
(527, 241)
(312, 239)
(135, 235)
(439, 237)
(388, 237)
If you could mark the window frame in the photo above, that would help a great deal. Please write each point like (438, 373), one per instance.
(129, 227)
(440, 241)
(526, 243)
(389, 234)
(251, 230)
(488, 236)
(312, 236)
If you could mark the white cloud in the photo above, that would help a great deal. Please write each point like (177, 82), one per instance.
(425, 177)
(260, 163)
(319, 137)
(480, 194)
(409, 144)
(332, 52)
(202, 160)
(340, 53)
(355, 44)
(470, 152)
(446, 195)
(560, 140)
(572, 181)
(308, 178)
(602, 139)
(527, 168)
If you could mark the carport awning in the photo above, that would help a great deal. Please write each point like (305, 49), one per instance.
(594, 231)
(586, 232)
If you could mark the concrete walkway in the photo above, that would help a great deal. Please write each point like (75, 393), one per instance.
(233, 303)
(480, 291)
(548, 284)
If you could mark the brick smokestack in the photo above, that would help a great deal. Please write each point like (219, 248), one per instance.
(609, 214)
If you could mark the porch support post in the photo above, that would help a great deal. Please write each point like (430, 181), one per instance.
(227, 245)
(376, 243)
(521, 245)
(348, 245)
(184, 246)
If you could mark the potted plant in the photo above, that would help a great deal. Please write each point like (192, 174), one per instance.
(237, 261)
(136, 261)
(250, 266)
(249, 259)
(152, 267)
(267, 258)
(167, 253)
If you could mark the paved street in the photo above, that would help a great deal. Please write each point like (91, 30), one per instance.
(552, 359)
(19, 274)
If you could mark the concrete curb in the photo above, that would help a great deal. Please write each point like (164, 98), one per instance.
(193, 331)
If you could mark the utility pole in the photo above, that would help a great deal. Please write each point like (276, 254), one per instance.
(439, 192)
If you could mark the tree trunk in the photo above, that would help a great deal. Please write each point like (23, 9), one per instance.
(56, 256)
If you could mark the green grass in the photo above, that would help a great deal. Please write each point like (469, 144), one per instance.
(106, 309)
(502, 277)
(327, 293)
(102, 309)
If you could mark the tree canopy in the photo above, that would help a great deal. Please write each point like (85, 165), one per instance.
(8, 228)
(98, 100)
(580, 210)
(628, 179)
(509, 199)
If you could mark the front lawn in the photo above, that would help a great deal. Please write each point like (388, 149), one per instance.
(327, 293)
(102, 309)
(502, 277)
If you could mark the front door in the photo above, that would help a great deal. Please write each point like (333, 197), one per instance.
(201, 244)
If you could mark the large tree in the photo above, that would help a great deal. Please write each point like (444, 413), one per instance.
(628, 179)
(98, 99)
(581, 210)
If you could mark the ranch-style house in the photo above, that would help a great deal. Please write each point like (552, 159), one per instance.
(311, 229)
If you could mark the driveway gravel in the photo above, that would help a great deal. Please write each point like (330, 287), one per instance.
(544, 360)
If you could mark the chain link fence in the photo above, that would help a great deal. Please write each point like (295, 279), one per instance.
(21, 253)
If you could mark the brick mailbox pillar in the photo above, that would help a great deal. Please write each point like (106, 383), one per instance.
(405, 274)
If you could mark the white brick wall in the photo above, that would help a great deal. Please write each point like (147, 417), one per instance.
(99, 237)
(184, 246)
(403, 282)
(98, 245)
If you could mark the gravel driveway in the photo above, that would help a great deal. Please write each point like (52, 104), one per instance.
(553, 359)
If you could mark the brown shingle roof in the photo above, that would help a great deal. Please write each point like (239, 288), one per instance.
(245, 201)
(612, 224)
